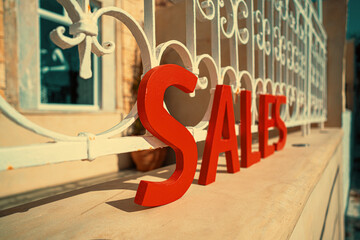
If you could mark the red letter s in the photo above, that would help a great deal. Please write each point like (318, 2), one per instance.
(163, 126)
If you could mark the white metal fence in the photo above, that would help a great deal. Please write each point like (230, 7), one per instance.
(283, 40)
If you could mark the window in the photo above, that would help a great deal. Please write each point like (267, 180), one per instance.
(46, 76)
(60, 84)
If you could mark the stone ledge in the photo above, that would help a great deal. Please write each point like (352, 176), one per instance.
(262, 202)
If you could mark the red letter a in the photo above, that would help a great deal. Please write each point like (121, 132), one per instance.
(248, 158)
(163, 126)
(222, 124)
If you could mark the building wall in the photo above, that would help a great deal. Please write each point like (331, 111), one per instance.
(171, 24)
(127, 55)
(350, 74)
(127, 69)
(335, 26)
(66, 122)
(2, 52)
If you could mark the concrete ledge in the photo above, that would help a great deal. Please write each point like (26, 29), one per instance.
(265, 201)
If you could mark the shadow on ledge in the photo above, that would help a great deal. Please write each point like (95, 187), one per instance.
(127, 205)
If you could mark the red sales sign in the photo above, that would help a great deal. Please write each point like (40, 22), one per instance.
(221, 136)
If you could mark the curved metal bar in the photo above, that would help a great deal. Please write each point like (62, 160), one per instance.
(230, 71)
(209, 12)
(21, 120)
(136, 30)
(122, 125)
(213, 72)
(179, 48)
(58, 37)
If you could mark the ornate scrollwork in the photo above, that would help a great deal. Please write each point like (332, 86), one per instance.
(243, 13)
(205, 10)
(236, 11)
(282, 6)
(290, 52)
(264, 30)
(230, 20)
(85, 31)
(280, 48)
(298, 28)
(291, 55)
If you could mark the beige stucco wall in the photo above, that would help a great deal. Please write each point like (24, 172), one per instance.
(71, 124)
(2, 52)
(66, 122)
(170, 24)
(350, 74)
(26, 179)
(335, 13)
(128, 54)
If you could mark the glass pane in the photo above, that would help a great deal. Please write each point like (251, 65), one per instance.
(60, 81)
(52, 6)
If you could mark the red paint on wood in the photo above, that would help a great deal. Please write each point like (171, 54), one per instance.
(279, 123)
(264, 124)
(248, 157)
(221, 137)
(163, 126)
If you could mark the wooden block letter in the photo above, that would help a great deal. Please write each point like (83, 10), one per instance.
(279, 123)
(221, 137)
(248, 157)
(163, 126)
(264, 124)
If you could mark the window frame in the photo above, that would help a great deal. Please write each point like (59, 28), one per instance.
(65, 21)
(29, 67)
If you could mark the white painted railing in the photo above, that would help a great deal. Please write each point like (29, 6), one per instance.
(285, 48)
